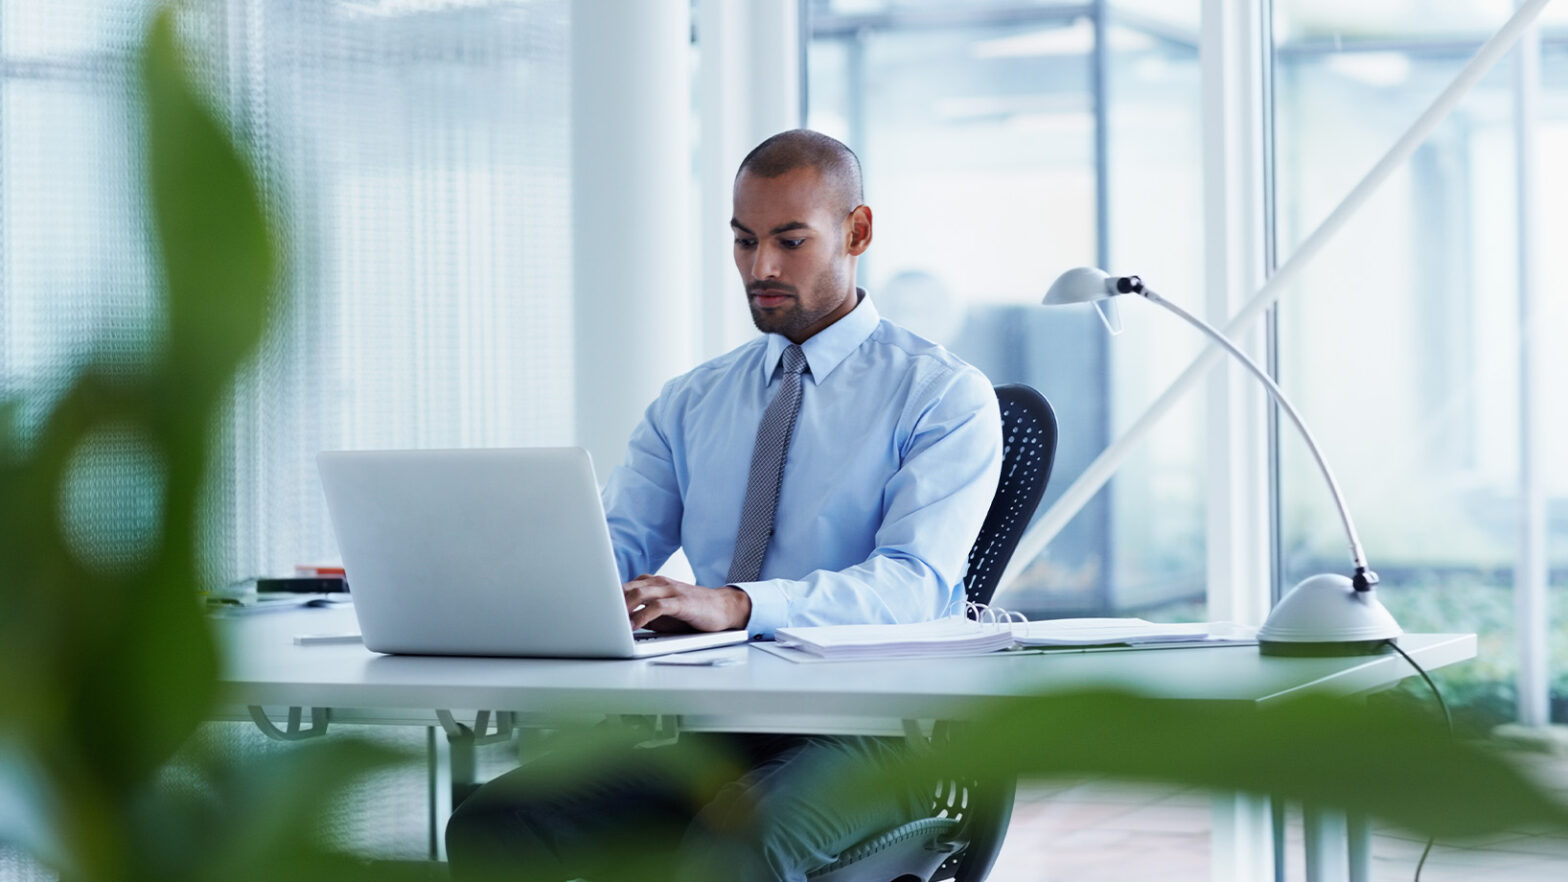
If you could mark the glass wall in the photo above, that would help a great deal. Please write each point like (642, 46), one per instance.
(1003, 144)
(1400, 343)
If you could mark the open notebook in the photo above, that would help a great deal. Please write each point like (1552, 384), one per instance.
(982, 630)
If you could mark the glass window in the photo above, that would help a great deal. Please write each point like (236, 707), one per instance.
(998, 143)
(1400, 342)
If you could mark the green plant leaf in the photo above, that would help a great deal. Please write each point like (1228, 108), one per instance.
(218, 254)
(104, 673)
(1382, 761)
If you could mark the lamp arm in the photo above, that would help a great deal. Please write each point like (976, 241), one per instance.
(1364, 578)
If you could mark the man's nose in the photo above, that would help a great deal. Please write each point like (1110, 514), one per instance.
(765, 264)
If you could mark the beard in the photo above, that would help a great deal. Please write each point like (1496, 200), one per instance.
(785, 319)
(797, 315)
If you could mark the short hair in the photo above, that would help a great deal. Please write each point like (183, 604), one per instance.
(804, 148)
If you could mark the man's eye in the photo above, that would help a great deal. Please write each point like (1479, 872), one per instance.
(792, 243)
(745, 243)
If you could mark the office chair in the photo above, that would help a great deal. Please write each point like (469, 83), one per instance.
(961, 838)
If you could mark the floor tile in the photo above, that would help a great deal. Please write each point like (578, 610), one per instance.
(1096, 830)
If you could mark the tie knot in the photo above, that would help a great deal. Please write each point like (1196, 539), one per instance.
(794, 359)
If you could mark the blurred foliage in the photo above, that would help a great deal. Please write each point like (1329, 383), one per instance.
(106, 662)
(1391, 761)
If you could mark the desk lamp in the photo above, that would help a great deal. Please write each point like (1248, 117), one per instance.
(1326, 614)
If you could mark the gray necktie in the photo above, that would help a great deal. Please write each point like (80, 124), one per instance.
(767, 471)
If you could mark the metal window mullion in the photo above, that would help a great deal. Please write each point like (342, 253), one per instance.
(1269, 167)
(1099, 80)
(1531, 612)
(1271, 331)
(803, 54)
(1236, 452)
(1233, 50)
(949, 16)
(1099, 77)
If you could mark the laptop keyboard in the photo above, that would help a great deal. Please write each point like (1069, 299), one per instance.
(646, 636)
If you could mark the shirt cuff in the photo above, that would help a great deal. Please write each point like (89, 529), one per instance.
(769, 607)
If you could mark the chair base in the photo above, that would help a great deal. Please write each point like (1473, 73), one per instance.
(912, 851)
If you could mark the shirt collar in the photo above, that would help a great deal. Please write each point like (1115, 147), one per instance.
(827, 349)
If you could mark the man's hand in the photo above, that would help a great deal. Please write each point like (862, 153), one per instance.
(663, 604)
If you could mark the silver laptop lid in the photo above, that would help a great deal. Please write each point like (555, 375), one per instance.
(477, 552)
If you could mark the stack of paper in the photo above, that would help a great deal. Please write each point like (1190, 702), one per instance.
(950, 636)
(963, 636)
(1099, 632)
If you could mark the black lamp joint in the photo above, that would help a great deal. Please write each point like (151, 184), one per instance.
(1364, 579)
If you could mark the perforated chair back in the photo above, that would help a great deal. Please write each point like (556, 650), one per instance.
(963, 835)
(1028, 452)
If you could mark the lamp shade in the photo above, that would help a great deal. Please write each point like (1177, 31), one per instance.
(1084, 284)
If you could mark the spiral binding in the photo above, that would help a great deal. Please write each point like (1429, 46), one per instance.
(987, 615)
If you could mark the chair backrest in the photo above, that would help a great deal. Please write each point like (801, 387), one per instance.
(1028, 451)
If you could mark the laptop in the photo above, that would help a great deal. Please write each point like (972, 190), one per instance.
(484, 552)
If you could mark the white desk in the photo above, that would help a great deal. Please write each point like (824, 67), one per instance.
(264, 667)
(765, 693)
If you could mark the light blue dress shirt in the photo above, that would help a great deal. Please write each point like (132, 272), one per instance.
(891, 469)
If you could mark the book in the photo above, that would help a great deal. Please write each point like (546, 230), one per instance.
(301, 585)
(254, 603)
(981, 629)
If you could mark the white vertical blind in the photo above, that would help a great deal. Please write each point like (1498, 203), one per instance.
(74, 273)
(416, 153)
(421, 150)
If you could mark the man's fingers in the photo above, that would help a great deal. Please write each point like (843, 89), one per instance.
(682, 606)
(654, 608)
(657, 585)
(640, 591)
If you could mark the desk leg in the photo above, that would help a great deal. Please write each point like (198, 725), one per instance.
(1360, 834)
(1241, 848)
(1281, 840)
(439, 775)
(463, 760)
(1328, 851)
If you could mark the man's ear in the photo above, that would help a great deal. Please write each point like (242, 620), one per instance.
(859, 229)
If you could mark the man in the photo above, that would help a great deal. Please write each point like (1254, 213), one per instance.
(833, 471)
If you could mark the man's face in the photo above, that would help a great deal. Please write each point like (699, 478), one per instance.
(795, 250)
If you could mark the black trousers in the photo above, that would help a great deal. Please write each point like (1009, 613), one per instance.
(735, 807)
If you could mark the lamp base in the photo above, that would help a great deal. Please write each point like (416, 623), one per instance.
(1333, 649)
(1326, 615)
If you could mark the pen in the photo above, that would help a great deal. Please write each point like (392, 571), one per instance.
(316, 639)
